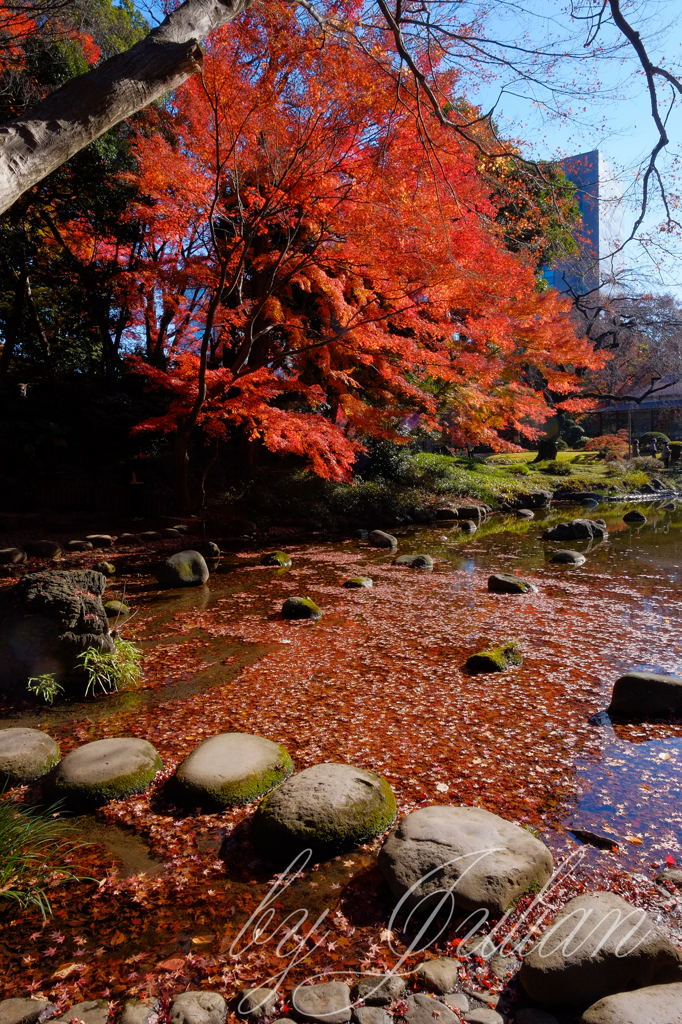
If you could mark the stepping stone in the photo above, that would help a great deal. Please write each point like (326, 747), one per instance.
(445, 512)
(646, 695)
(567, 558)
(456, 1001)
(12, 556)
(100, 540)
(105, 770)
(612, 946)
(169, 533)
(380, 990)
(484, 1015)
(278, 558)
(300, 608)
(185, 569)
(129, 538)
(379, 539)
(421, 1009)
(414, 561)
(329, 807)
(328, 1003)
(505, 583)
(439, 975)
(198, 1008)
(26, 754)
(24, 1011)
(495, 659)
(655, 1004)
(634, 517)
(79, 545)
(137, 1012)
(371, 1015)
(448, 841)
(355, 582)
(93, 1011)
(43, 548)
(233, 768)
(256, 1002)
(151, 535)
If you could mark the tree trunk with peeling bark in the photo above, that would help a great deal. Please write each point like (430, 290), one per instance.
(49, 134)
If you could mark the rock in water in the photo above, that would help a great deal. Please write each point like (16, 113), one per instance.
(198, 1008)
(278, 558)
(567, 557)
(440, 975)
(328, 1003)
(12, 556)
(185, 569)
(414, 561)
(47, 620)
(379, 539)
(43, 548)
(170, 533)
(106, 568)
(371, 1015)
(467, 526)
(100, 540)
(26, 754)
(233, 768)
(646, 695)
(577, 529)
(525, 513)
(634, 516)
(105, 770)
(329, 808)
(116, 609)
(471, 512)
(300, 608)
(380, 990)
(356, 582)
(505, 583)
(598, 944)
(495, 659)
(437, 848)
(24, 1011)
(655, 1004)
(79, 545)
(421, 1009)
(149, 536)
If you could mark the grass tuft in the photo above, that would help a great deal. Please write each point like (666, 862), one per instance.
(45, 686)
(110, 672)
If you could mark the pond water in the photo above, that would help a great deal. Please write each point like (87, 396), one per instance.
(378, 682)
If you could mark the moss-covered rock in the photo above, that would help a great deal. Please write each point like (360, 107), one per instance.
(185, 569)
(116, 609)
(329, 808)
(277, 558)
(300, 608)
(358, 581)
(104, 770)
(495, 659)
(414, 561)
(231, 769)
(380, 539)
(106, 568)
(506, 583)
(26, 754)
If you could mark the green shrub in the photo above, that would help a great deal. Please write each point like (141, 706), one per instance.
(646, 463)
(556, 468)
(652, 435)
(561, 445)
(581, 442)
(32, 850)
(519, 469)
(636, 478)
(45, 686)
(109, 672)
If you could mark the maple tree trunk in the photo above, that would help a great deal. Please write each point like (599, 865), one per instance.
(49, 134)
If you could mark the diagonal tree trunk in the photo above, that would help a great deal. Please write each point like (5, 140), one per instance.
(84, 108)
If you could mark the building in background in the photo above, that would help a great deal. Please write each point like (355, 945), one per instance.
(599, 195)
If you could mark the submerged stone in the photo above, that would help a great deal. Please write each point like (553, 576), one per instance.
(646, 695)
(300, 608)
(567, 557)
(280, 558)
(379, 539)
(329, 808)
(358, 581)
(414, 561)
(185, 569)
(233, 768)
(495, 659)
(506, 583)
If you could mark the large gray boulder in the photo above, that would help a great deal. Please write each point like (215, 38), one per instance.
(577, 529)
(233, 768)
(646, 695)
(371, 1015)
(379, 539)
(421, 1009)
(597, 945)
(24, 1011)
(92, 1011)
(198, 1008)
(26, 754)
(135, 1011)
(328, 1003)
(257, 1002)
(105, 770)
(185, 569)
(381, 989)
(328, 808)
(47, 620)
(656, 1004)
(440, 975)
(482, 859)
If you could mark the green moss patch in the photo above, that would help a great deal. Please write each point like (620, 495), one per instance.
(276, 558)
(495, 659)
(300, 608)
